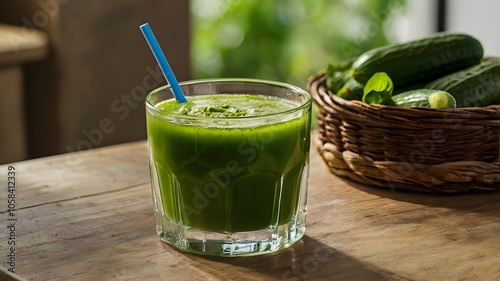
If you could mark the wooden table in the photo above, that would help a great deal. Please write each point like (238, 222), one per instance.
(88, 216)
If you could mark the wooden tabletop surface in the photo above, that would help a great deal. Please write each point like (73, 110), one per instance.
(88, 216)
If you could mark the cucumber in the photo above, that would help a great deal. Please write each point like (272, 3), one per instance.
(425, 97)
(476, 86)
(337, 80)
(338, 74)
(420, 60)
(351, 90)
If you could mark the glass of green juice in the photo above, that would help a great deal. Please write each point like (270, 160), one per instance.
(230, 168)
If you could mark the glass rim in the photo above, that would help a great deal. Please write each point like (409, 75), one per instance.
(290, 87)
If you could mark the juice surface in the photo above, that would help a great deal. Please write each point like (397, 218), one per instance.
(228, 105)
(235, 179)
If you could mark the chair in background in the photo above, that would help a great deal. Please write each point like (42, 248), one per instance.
(89, 92)
(18, 46)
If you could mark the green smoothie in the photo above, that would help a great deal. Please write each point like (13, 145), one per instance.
(220, 168)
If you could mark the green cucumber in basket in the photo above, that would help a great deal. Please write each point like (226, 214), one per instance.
(336, 81)
(351, 90)
(338, 74)
(425, 97)
(476, 86)
(420, 60)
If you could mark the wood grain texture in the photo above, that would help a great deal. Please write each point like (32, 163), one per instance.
(92, 220)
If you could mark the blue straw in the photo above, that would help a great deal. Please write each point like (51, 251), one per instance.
(162, 61)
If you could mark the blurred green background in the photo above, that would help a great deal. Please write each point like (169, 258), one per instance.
(284, 40)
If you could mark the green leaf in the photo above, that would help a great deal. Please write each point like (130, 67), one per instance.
(342, 66)
(336, 76)
(331, 69)
(378, 89)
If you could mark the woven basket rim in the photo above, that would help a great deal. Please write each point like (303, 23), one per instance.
(319, 79)
(466, 116)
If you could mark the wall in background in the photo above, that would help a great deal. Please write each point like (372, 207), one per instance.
(480, 18)
(419, 20)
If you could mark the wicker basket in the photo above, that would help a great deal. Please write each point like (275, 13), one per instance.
(418, 149)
